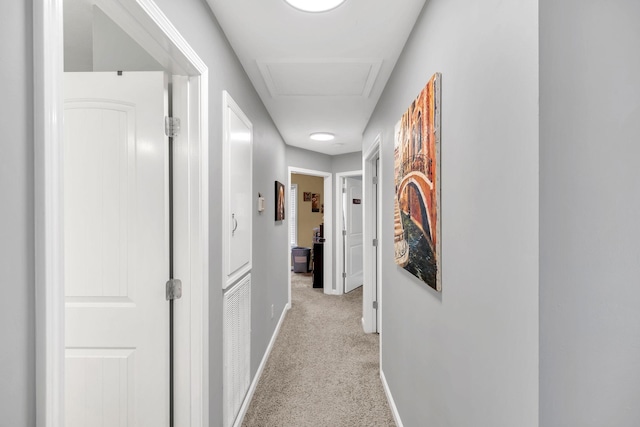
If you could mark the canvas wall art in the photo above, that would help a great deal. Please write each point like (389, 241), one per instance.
(417, 182)
(279, 201)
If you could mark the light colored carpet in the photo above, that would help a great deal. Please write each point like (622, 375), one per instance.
(323, 369)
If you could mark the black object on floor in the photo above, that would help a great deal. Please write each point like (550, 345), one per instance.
(318, 265)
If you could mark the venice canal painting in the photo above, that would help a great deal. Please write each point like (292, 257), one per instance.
(417, 180)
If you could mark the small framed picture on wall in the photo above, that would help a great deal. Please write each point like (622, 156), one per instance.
(279, 201)
(307, 196)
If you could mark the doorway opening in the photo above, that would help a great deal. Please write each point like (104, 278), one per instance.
(316, 212)
(372, 187)
(349, 231)
(145, 24)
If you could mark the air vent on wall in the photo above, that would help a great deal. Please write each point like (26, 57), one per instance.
(236, 347)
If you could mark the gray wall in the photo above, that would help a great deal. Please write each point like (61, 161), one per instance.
(114, 50)
(346, 162)
(17, 310)
(589, 211)
(469, 356)
(78, 38)
(93, 42)
(300, 158)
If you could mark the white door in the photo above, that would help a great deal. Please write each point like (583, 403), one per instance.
(238, 195)
(352, 203)
(376, 236)
(116, 250)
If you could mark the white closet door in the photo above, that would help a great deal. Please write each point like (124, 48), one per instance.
(354, 235)
(238, 195)
(116, 250)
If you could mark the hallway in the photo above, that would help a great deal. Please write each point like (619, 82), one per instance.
(534, 325)
(323, 370)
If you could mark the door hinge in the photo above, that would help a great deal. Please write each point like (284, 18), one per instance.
(375, 305)
(171, 126)
(344, 275)
(375, 180)
(174, 289)
(344, 232)
(375, 242)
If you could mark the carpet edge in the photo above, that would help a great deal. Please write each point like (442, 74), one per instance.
(263, 362)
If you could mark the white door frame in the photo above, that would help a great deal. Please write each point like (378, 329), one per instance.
(328, 229)
(146, 23)
(371, 319)
(290, 209)
(339, 226)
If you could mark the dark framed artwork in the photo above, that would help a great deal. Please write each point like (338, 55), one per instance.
(417, 182)
(307, 196)
(315, 202)
(279, 201)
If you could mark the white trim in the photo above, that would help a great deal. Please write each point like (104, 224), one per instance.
(370, 317)
(338, 228)
(392, 403)
(293, 207)
(145, 22)
(190, 313)
(258, 375)
(289, 260)
(328, 228)
(228, 104)
(200, 264)
(48, 101)
(49, 278)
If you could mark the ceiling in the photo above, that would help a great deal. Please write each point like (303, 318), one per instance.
(318, 72)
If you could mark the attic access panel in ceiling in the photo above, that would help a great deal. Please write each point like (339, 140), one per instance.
(320, 77)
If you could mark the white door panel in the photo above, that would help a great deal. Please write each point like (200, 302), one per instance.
(354, 235)
(237, 192)
(240, 195)
(116, 249)
(100, 379)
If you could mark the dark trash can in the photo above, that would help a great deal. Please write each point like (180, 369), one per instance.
(300, 258)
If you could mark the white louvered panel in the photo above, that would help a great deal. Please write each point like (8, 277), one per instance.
(236, 347)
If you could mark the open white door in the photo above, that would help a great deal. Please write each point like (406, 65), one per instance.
(116, 249)
(376, 237)
(352, 205)
(371, 296)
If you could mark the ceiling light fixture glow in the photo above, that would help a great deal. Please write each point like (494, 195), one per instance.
(322, 136)
(315, 5)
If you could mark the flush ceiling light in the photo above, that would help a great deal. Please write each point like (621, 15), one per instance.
(315, 5)
(322, 136)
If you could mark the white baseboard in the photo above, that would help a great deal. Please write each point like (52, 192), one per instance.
(256, 378)
(392, 403)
